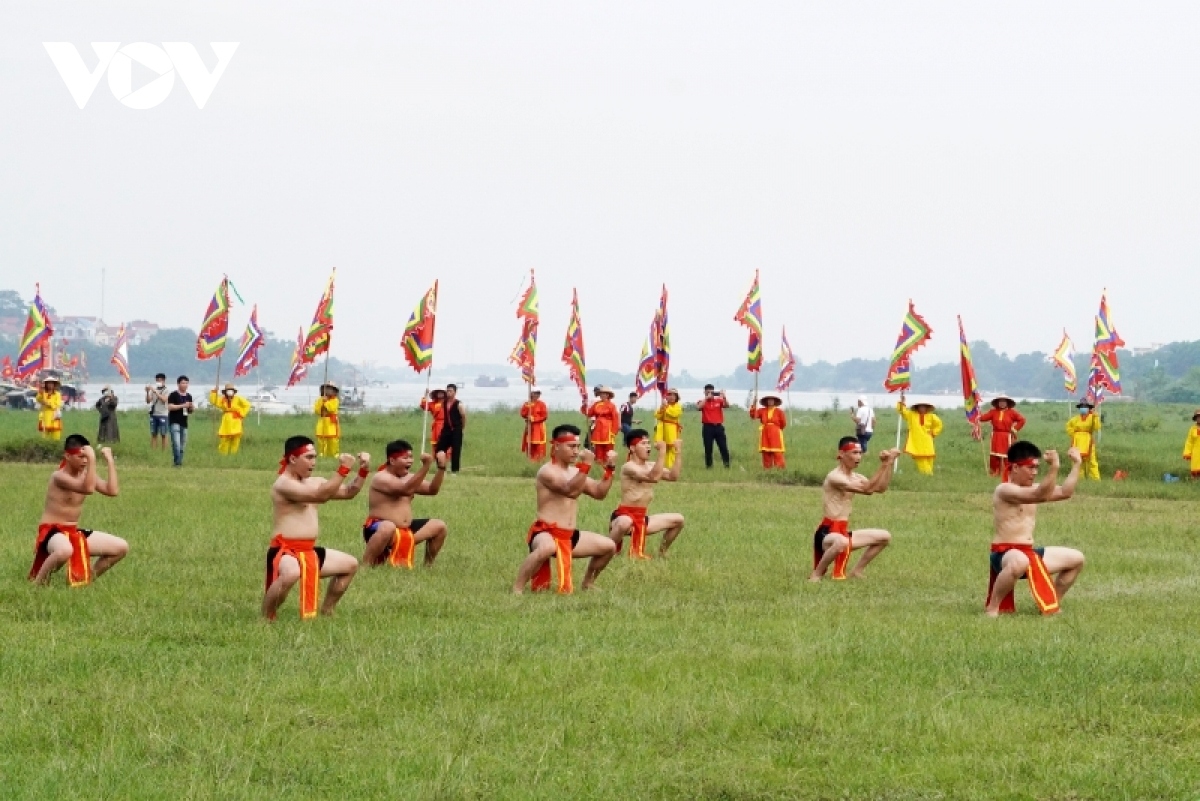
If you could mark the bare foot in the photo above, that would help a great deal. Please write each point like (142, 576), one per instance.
(814, 578)
(518, 590)
(855, 575)
(993, 613)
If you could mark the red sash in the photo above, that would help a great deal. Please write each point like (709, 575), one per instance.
(304, 552)
(79, 566)
(562, 544)
(1041, 585)
(842, 560)
(637, 532)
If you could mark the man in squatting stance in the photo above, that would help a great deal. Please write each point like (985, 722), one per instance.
(60, 541)
(293, 556)
(637, 491)
(1050, 571)
(560, 482)
(390, 532)
(833, 541)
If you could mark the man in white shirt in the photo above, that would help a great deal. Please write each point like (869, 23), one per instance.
(864, 422)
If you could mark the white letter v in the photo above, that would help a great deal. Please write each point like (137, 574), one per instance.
(74, 72)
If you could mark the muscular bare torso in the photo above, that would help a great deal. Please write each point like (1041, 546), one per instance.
(636, 489)
(62, 505)
(386, 503)
(296, 521)
(552, 505)
(836, 498)
(1014, 521)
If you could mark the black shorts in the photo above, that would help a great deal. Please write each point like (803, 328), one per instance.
(819, 540)
(273, 552)
(996, 559)
(44, 550)
(416, 525)
(574, 541)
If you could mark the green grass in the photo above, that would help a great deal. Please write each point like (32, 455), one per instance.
(718, 674)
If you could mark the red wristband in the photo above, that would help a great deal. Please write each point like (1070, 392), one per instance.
(343, 471)
(363, 472)
(608, 473)
(583, 468)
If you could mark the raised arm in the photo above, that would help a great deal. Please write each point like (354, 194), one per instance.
(1067, 489)
(304, 492)
(1041, 492)
(599, 489)
(348, 491)
(883, 476)
(434, 487)
(110, 486)
(84, 484)
(569, 487)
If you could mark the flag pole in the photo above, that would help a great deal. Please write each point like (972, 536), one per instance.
(425, 414)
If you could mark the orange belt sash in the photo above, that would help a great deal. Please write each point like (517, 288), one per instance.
(304, 552)
(637, 532)
(1041, 585)
(404, 545)
(842, 560)
(562, 544)
(79, 566)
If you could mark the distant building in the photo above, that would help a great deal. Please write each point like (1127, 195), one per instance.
(76, 328)
(1143, 351)
(139, 331)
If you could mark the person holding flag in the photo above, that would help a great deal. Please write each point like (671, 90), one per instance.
(605, 422)
(434, 403)
(1006, 422)
(1084, 430)
(771, 422)
(233, 408)
(454, 426)
(667, 430)
(923, 427)
(535, 414)
(329, 427)
(49, 401)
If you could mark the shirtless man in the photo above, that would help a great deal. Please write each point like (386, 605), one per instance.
(560, 482)
(833, 541)
(390, 532)
(1050, 571)
(60, 541)
(637, 490)
(293, 555)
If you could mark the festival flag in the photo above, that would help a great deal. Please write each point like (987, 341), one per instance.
(1107, 338)
(647, 372)
(417, 341)
(572, 354)
(970, 387)
(661, 328)
(1064, 359)
(1105, 366)
(524, 353)
(914, 332)
(750, 315)
(320, 331)
(120, 356)
(215, 328)
(33, 353)
(6, 370)
(787, 365)
(299, 366)
(252, 340)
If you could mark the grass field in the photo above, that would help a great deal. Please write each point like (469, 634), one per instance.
(720, 673)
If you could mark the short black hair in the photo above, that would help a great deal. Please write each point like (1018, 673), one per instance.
(182, 378)
(452, 386)
(298, 441)
(635, 433)
(844, 441)
(633, 395)
(398, 446)
(1023, 449)
(708, 387)
(565, 428)
(75, 441)
(163, 376)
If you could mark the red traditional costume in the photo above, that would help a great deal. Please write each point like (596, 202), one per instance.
(564, 542)
(437, 411)
(79, 566)
(1005, 425)
(404, 543)
(842, 560)
(533, 441)
(304, 552)
(637, 530)
(1041, 584)
(771, 422)
(606, 422)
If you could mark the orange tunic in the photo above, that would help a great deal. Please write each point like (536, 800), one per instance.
(771, 422)
(437, 411)
(563, 548)
(1041, 583)
(79, 566)
(304, 552)
(606, 422)
(1005, 425)
(535, 433)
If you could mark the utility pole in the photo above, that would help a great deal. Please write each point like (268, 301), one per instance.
(102, 282)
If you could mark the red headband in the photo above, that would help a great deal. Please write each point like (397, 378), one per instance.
(850, 446)
(1030, 462)
(565, 438)
(633, 443)
(388, 463)
(300, 451)
(69, 452)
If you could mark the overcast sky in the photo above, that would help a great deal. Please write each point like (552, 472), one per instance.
(1002, 161)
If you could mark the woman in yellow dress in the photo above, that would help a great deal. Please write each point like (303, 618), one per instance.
(923, 427)
(49, 401)
(1191, 447)
(329, 430)
(668, 427)
(1083, 430)
(234, 409)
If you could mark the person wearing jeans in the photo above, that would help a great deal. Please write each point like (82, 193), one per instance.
(179, 406)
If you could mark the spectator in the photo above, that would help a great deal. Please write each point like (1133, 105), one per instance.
(864, 422)
(179, 406)
(627, 421)
(453, 427)
(712, 423)
(107, 406)
(156, 396)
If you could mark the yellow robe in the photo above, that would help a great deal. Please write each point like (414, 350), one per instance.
(921, 431)
(1190, 451)
(1083, 431)
(232, 412)
(49, 416)
(329, 430)
(667, 428)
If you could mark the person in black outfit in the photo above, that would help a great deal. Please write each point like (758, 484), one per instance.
(451, 438)
(627, 421)
(712, 423)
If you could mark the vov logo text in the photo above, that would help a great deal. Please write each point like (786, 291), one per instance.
(165, 61)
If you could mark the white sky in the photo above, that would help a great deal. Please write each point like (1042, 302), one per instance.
(1002, 161)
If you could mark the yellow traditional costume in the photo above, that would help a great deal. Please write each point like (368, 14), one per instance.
(1083, 430)
(923, 426)
(1190, 450)
(50, 404)
(329, 430)
(668, 427)
(233, 411)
